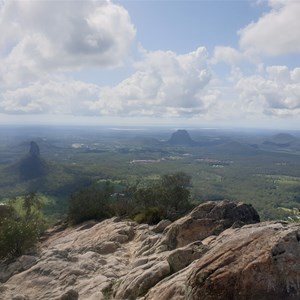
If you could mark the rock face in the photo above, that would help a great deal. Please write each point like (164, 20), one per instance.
(181, 137)
(260, 261)
(210, 218)
(218, 251)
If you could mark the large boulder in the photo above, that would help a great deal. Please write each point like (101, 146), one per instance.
(209, 218)
(255, 262)
(260, 261)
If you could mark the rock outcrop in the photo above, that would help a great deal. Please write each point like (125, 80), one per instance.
(210, 218)
(260, 261)
(218, 251)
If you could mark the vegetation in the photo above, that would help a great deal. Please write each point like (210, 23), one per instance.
(21, 225)
(91, 203)
(169, 197)
(223, 165)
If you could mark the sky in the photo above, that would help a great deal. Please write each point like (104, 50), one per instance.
(204, 63)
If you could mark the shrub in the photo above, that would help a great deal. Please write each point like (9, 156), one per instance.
(90, 203)
(151, 215)
(20, 230)
(170, 195)
(17, 236)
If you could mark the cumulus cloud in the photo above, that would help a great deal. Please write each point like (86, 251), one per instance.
(165, 84)
(54, 97)
(37, 37)
(42, 42)
(227, 55)
(275, 33)
(277, 93)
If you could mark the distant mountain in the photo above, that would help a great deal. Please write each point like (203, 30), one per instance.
(281, 140)
(34, 149)
(32, 166)
(181, 137)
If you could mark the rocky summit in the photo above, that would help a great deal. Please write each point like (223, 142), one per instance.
(218, 251)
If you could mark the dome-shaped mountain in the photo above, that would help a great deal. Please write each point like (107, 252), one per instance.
(181, 137)
(281, 140)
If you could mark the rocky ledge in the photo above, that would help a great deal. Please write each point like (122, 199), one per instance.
(218, 251)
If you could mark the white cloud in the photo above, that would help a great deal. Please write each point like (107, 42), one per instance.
(227, 55)
(165, 84)
(277, 93)
(51, 97)
(38, 37)
(275, 33)
(42, 42)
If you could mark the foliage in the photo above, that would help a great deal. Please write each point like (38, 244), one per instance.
(151, 215)
(165, 198)
(233, 166)
(175, 193)
(21, 228)
(169, 197)
(91, 203)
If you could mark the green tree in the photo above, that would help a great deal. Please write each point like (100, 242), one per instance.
(91, 203)
(169, 197)
(21, 228)
(175, 194)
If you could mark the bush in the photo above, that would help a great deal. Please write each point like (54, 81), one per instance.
(170, 195)
(20, 230)
(175, 193)
(17, 237)
(151, 215)
(90, 203)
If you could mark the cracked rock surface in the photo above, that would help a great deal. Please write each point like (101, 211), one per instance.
(218, 251)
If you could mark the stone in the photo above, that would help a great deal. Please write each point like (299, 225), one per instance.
(20, 297)
(139, 280)
(259, 261)
(253, 262)
(161, 226)
(70, 295)
(218, 251)
(179, 258)
(22, 263)
(209, 218)
(107, 247)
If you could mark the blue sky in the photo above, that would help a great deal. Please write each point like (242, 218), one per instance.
(201, 63)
